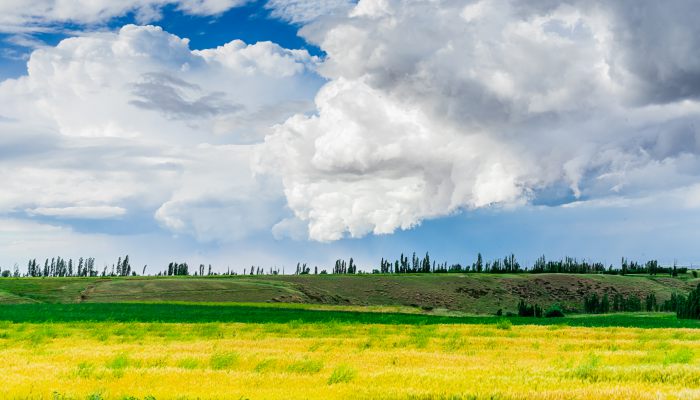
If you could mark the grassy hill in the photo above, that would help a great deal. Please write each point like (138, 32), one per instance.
(468, 293)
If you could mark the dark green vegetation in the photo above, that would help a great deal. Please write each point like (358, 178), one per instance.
(192, 313)
(465, 293)
(689, 307)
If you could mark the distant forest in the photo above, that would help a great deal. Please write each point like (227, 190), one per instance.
(85, 267)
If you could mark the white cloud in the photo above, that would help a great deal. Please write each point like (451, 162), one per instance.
(114, 124)
(218, 199)
(305, 11)
(434, 107)
(97, 212)
(430, 108)
(21, 239)
(39, 15)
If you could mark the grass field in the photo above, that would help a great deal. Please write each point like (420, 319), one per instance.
(114, 339)
(353, 358)
(468, 293)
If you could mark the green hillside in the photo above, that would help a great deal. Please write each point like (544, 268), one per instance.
(468, 293)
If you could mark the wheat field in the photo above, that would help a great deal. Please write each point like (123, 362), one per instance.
(104, 360)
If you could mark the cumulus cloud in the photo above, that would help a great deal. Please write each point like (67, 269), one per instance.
(436, 107)
(113, 124)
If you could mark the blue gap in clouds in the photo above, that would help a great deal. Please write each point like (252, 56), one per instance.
(251, 23)
(13, 58)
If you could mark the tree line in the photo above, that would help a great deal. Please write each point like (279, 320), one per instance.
(61, 267)
(685, 306)
(510, 265)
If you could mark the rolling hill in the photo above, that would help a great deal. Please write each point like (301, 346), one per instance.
(467, 293)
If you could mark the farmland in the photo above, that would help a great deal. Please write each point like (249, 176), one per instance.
(81, 338)
(346, 359)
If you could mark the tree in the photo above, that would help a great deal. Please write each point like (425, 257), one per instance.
(651, 302)
(479, 263)
(689, 307)
(126, 266)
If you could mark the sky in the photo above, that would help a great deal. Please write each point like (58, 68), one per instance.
(271, 132)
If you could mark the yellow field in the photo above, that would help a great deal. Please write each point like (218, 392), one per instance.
(348, 361)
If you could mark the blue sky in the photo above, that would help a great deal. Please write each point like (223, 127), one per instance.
(346, 135)
(251, 23)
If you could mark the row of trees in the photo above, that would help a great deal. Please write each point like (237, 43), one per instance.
(510, 265)
(534, 310)
(594, 304)
(687, 307)
(59, 267)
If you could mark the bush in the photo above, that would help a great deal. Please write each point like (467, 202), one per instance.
(504, 324)
(554, 312)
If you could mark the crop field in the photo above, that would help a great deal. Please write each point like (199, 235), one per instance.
(187, 351)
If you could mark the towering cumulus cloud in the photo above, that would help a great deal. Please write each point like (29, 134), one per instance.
(432, 107)
(134, 123)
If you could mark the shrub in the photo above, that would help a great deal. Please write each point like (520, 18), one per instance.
(504, 324)
(554, 312)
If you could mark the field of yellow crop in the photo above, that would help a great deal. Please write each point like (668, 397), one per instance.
(93, 360)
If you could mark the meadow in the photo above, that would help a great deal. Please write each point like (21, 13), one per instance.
(189, 351)
(336, 337)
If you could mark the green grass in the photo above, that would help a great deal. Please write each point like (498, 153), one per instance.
(342, 374)
(165, 312)
(471, 293)
(305, 366)
(223, 361)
